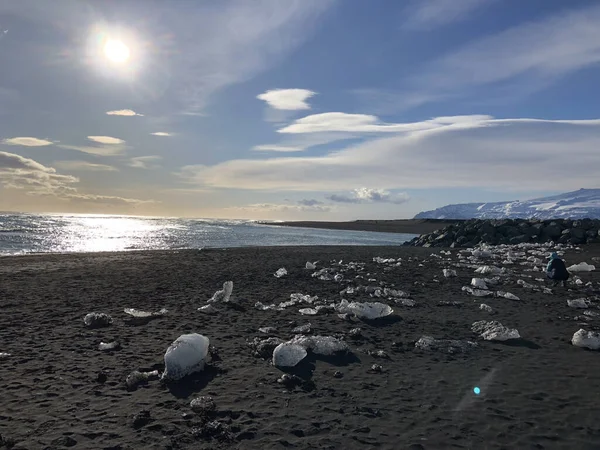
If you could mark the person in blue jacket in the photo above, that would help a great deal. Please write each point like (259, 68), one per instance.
(557, 271)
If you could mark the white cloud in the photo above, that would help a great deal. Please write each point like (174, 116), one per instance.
(123, 112)
(27, 142)
(425, 14)
(287, 99)
(107, 140)
(145, 162)
(276, 148)
(17, 172)
(84, 166)
(366, 195)
(502, 154)
(362, 123)
(99, 150)
(530, 57)
(161, 133)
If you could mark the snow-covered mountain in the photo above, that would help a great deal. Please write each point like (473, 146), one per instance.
(584, 203)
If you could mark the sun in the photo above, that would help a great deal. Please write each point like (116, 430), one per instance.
(116, 51)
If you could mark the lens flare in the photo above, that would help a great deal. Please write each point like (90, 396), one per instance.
(476, 390)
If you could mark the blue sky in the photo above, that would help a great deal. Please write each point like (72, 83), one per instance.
(295, 109)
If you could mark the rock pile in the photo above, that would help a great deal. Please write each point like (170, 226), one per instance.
(511, 231)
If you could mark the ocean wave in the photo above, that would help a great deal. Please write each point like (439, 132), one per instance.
(14, 230)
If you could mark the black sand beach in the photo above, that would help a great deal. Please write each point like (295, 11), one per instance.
(57, 390)
(408, 226)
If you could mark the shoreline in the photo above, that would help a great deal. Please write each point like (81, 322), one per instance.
(402, 226)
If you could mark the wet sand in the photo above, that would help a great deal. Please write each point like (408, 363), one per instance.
(57, 390)
(408, 226)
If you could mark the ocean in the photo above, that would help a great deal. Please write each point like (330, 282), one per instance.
(67, 233)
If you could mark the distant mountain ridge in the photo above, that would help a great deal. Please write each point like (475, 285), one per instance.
(581, 204)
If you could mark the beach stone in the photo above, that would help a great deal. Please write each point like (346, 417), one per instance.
(302, 329)
(213, 430)
(552, 230)
(355, 333)
(97, 320)
(338, 374)
(376, 368)
(450, 346)
(63, 441)
(142, 418)
(204, 405)
(290, 381)
(263, 348)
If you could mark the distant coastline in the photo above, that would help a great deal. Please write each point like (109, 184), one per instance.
(407, 226)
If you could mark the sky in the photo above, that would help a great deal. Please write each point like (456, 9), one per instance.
(295, 109)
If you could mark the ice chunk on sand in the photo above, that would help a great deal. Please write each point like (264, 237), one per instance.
(223, 294)
(478, 283)
(97, 320)
(477, 292)
(486, 308)
(288, 354)
(106, 346)
(4, 355)
(280, 273)
(494, 331)
(186, 355)
(582, 303)
(449, 273)
(586, 339)
(142, 317)
(135, 378)
(367, 310)
(481, 253)
(208, 309)
(507, 295)
(142, 314)
(451, 346)
(581, 267)
(311, 265)
(308, 311)
(483, 270)
(321, 345)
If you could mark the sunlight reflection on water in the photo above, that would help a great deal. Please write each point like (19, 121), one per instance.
(29, 233)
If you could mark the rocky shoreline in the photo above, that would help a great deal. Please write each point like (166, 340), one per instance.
(511, 231)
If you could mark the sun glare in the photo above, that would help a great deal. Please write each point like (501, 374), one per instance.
(116, 51)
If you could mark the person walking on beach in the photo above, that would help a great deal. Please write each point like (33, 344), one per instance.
(557, 271)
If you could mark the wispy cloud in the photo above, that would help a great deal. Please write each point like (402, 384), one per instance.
(283, 207)
(145, 162)
(196, 44)
(362, 123)
(527, 58)
(276, 148)
(366, 195)
(27, 142)
(310, 202)
(84, 166)
(287, 99)
(107, 140)
(490, 153)
(123, 112)
(97, 150)
(161, 133)
(212, 57)
(427, 14)
(25, 174)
